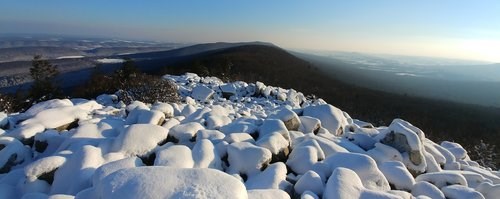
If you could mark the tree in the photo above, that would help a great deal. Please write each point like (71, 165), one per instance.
(44, 75)
(128, 69)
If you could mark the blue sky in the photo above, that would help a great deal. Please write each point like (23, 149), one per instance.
(445, 28)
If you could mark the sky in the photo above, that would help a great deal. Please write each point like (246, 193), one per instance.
(464, 29)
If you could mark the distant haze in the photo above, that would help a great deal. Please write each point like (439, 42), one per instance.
(448, 28)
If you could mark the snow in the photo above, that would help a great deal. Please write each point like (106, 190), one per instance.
(4, 120)
(185, 132)
(461, 192)
(310, 181)
(71, 57)
(397, 175)
(149, 182)
(345, 183)
(272, 177)
(139, 139)
(364, 166)
(441, 179)
(178, 156)
(202, 93)
(267, 194)
(331, 117)
(225, 140)
(110, 61)
(427, 189)
(42, 166)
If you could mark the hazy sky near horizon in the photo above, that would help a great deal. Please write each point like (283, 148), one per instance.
(445, 28)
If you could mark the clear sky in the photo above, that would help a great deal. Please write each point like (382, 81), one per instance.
(466, 29)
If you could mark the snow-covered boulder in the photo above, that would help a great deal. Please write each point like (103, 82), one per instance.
(139, 139)
(407, 141)
(141, 116)
(246, 158)
(441, 179)
(273, 177)
(184, 132)
(309, 181)
(364, 166)
(150, 182)
(267, 194)
(345, 184)
(397, 175)
(202, 93)
(331, 117)
(289, 118)
(309, 124)
(43, 169)
(424, 188)
(12, 153)
(113, 166)
(461, 192)
(178, 156)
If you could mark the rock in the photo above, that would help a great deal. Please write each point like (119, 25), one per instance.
(309, 124)
(442, 179)
(149, 182)
(139, 139)
(202, 93)
(489, 190)
(165, 108)
(239, 137)
(407, 142)
(4, 120)
(246, 158)
(364, 166)
(185, 132)
(43, 169)
(141, 116)
(113, 166)
(461, 192)
(331, 117)
(271, 178)
(277, 144)
(302, 158)
(12, 153)
(427, 189)
(345, 184)
(177, 156)
(398, 176)
(267, 194)
(228, 90)
(309, 181)
(289, 118)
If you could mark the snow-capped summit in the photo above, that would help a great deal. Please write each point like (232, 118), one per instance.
(226, 140)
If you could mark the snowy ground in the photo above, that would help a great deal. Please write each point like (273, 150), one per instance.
(226, 140)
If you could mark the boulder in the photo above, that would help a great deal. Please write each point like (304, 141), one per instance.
(408, 142)
(331, 117)
(246, 158)
(289, 118)
(150, 182)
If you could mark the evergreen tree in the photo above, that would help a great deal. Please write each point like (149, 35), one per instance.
(44, 75)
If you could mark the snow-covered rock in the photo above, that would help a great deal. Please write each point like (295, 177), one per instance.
(167, 182)
(331, 117)
(226, 140)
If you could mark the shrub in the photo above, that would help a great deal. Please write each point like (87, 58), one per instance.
(148, 89)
